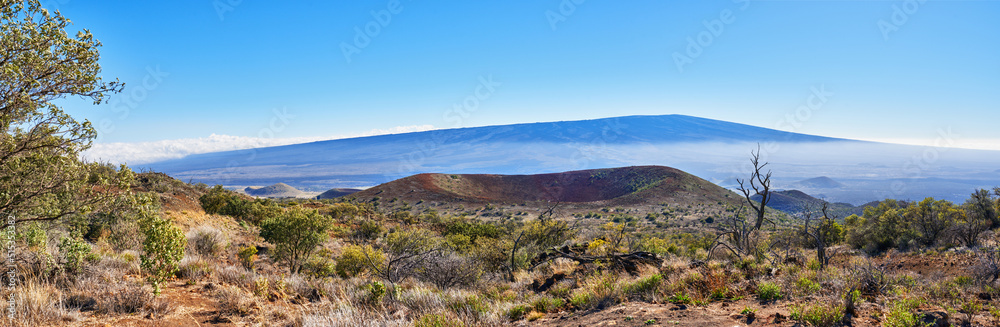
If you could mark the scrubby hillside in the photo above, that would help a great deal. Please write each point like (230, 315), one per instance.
(174, 195)
(599, 187)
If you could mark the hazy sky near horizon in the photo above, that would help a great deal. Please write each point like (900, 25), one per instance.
(260, 73)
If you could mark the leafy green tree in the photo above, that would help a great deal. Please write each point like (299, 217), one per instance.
(295, 233)
(979, 216)
(880, 228)
(41, 177)
(931, 219)
(985, 206)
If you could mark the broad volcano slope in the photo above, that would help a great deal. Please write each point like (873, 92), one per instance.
(715, 150)
(601, 187)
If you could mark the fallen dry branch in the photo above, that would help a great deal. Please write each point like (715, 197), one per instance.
(628, 262)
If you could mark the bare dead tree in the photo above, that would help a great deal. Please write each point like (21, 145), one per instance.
(759, 184)
(739, 236)
(512, 266)
(546, 233)
(819, 233)
(549, 211)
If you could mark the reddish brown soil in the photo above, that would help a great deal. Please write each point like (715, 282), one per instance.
(933, 265)
(190, 305)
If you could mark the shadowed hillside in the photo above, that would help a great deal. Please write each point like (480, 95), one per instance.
(336, 193)
(793, 202)
(820, 182)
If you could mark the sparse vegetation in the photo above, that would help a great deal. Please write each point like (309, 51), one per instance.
(456, 270)
(98, 244)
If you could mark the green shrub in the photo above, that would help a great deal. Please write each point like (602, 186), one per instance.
(767, 291)
(319, 266)
(901, 314)
(355, 259)
(261, 210)
(471, 229)
(964, 281)
(376, 291)
(679, 298)
(547, 304)
(437, 320)
(582, 299)
(471, 305)
(73, 252)
(261, 286)
(517, 312)
(459, 242)
(820, 315)
(295, 234)
(216, 199)
(493, 254)
(164, 247)
(807, 286)
(719, 293)
(813, 264)
(367, 230)
(644, 286)
(35, 236)
(247, 256)
(225, 202)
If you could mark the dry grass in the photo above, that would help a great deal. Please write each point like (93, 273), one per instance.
(194, 268)
(233, 275)
(236, 301)
(206, 240)
(125, 298)
(337, 315)
(38, 304)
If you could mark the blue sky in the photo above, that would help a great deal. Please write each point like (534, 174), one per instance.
(214, 68)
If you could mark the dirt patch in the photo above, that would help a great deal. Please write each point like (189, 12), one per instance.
(949, 265)
(645, 314)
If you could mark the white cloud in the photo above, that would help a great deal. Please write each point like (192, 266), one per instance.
(135, 153)
(958, 142)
